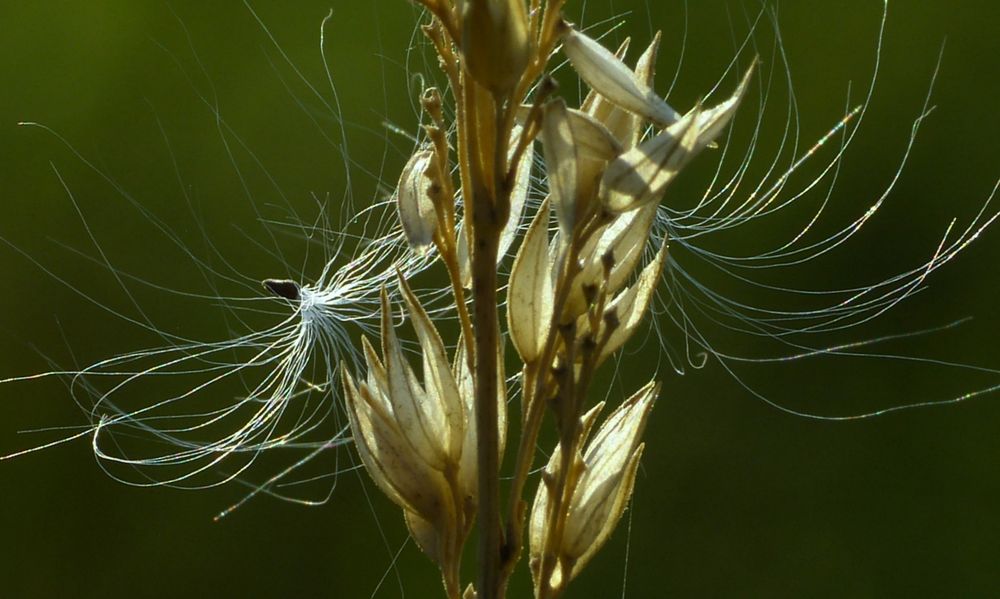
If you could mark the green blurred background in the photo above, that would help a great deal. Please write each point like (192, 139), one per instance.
(735, 497)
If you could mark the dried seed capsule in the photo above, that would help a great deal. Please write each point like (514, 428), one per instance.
(625, 312)
(413, 199)
(624, 238)
(561, 161)
(538, 530)
(439, 381)
(529, 296)
(605, 478)
(642, 174)
(608, 75)
(639, 176)
(594, 140)
(519, 193)
(577, 147)
(495, 42)
(407, 479)
(412, 436)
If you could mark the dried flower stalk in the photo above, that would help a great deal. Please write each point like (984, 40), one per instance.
(582, 280)
(570, 301)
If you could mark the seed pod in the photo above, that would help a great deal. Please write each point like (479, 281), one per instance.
(495, 42)
(610, 461)
(645, 71)
(577, 148)
(413, 199)
(420, 417)
(605, 478)
(592, 101)
(411, 435)
(538, 530)
(642, 174)
(627, 310)
(468, 471)
(645, 66)
(560, 151)
(529, 295)
(623, 241)
(439, 381)
(594, 141)
(399, 472)
(714, 120)
(607, 74)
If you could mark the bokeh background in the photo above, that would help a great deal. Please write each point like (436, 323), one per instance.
(735, 497)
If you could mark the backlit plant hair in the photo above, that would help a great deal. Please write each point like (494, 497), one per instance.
(573, 296)
(503, 164)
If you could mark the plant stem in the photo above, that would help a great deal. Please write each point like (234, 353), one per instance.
(485, 322)
(488, 208)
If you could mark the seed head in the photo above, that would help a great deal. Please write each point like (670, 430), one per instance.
(410, 435)
(603, 478)
(418, 440)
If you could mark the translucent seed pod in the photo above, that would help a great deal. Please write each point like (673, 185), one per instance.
(413, 199)
(609, 76)
(604, 476)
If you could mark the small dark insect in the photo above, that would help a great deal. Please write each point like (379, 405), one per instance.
(282, 288)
